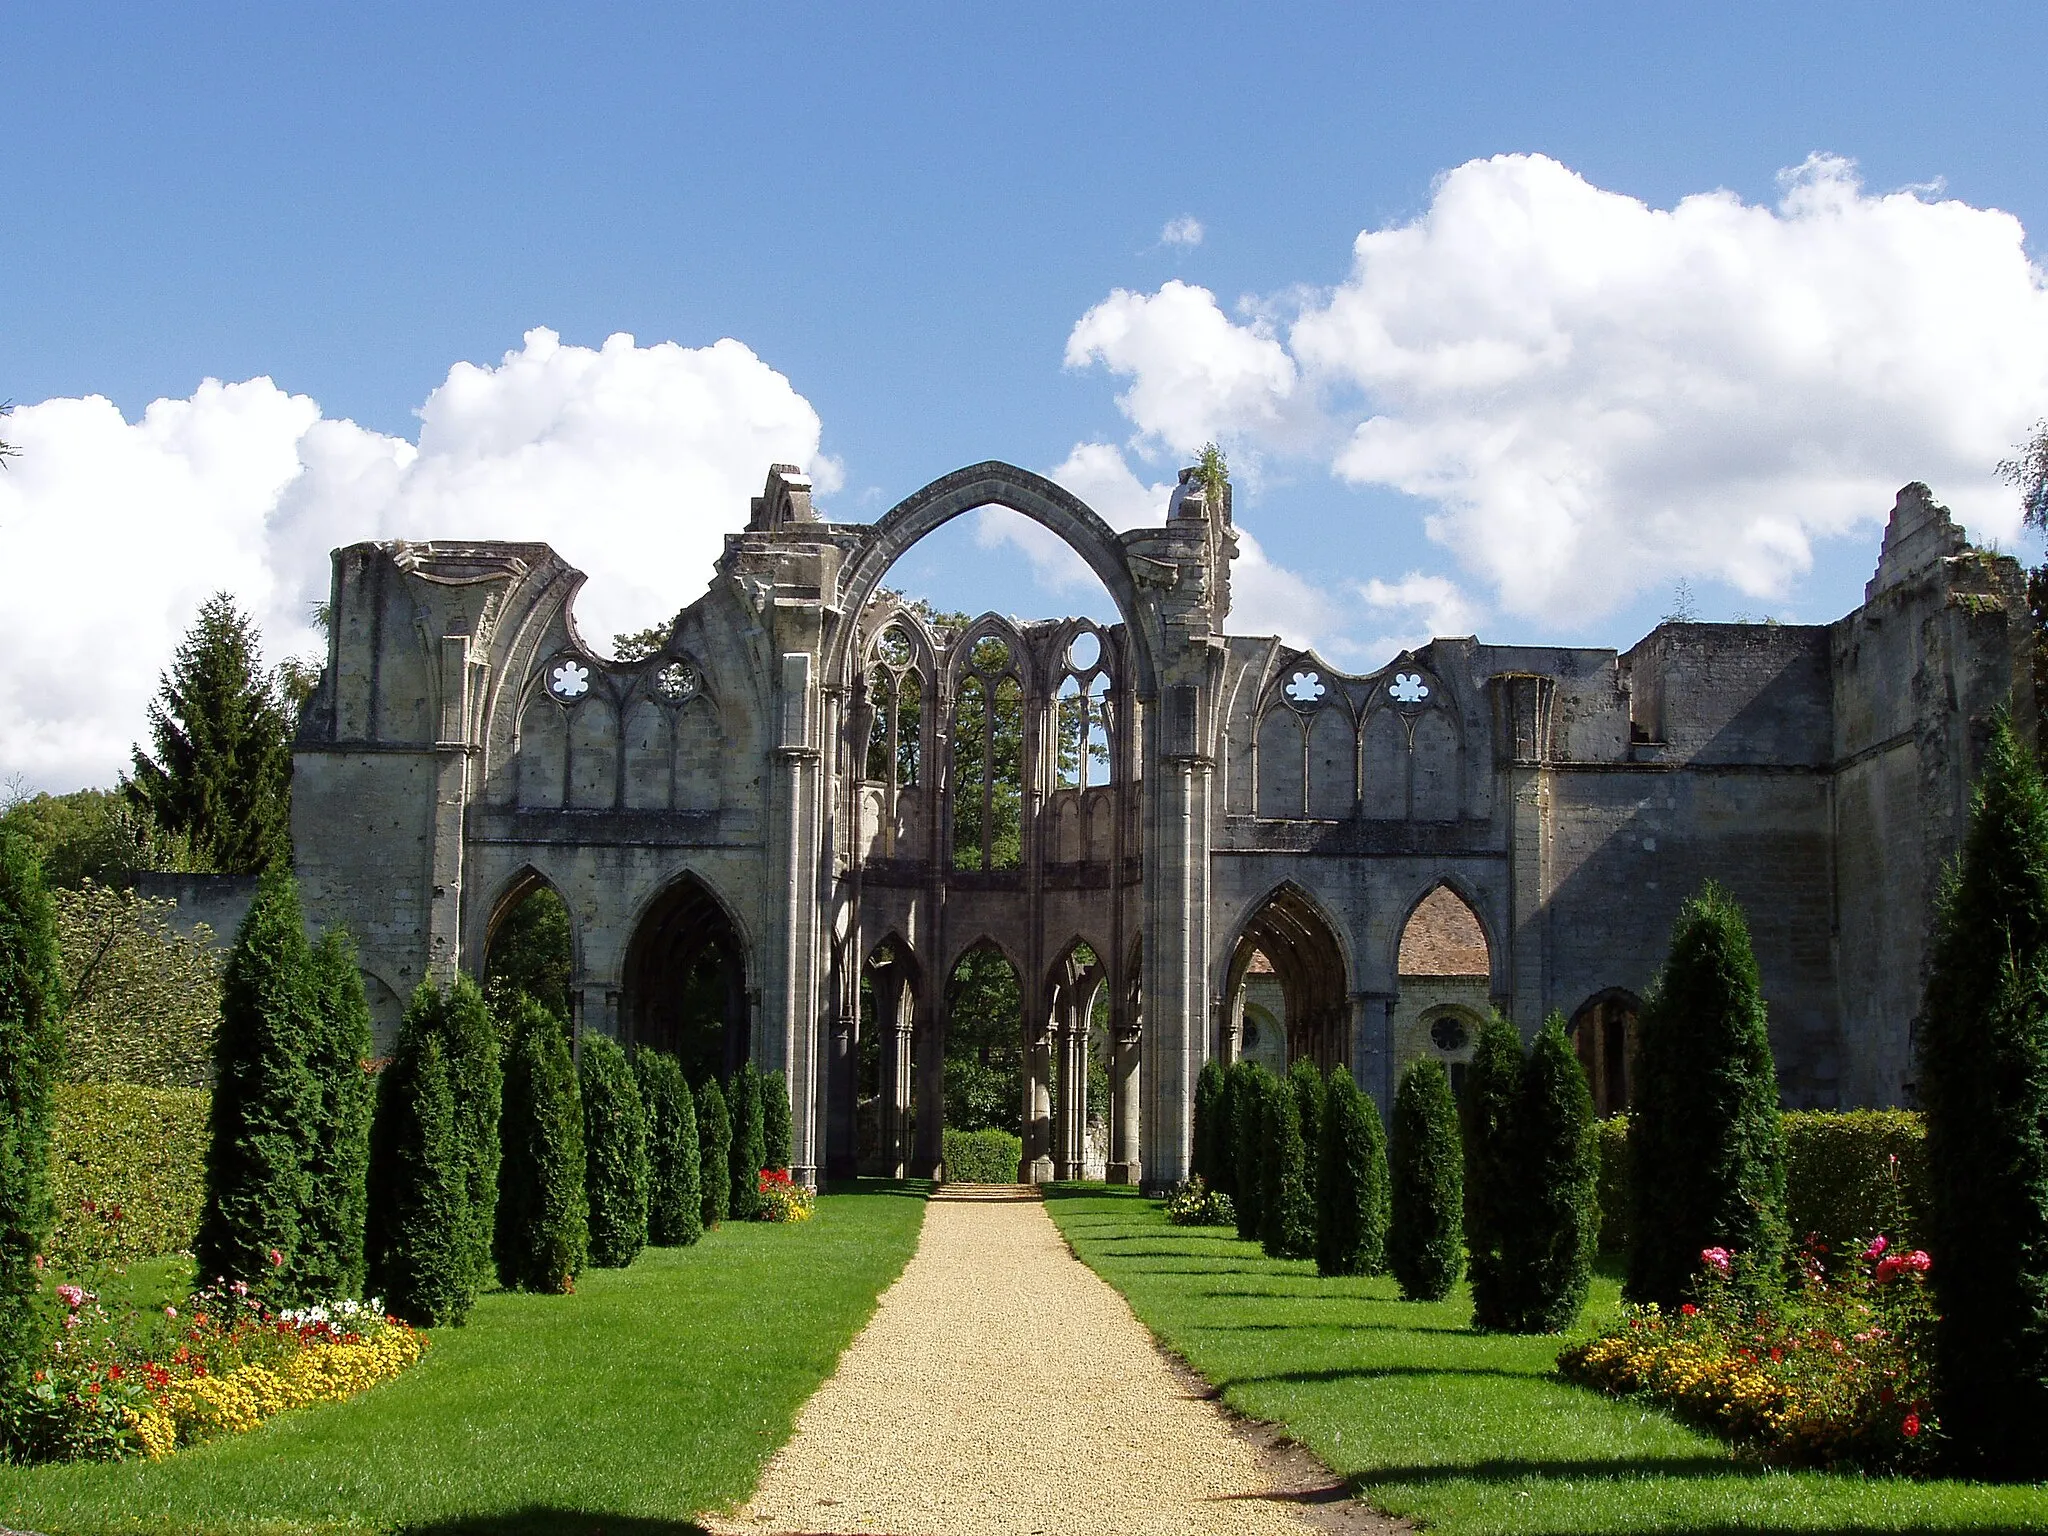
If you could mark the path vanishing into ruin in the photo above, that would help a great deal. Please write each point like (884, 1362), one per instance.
(1001, 1386)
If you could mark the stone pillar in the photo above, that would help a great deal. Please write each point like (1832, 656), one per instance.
(1073, 1105)
(928, 1158)
(452, 755)
(1522, 705)
(897, 1031)
(1124, 1167)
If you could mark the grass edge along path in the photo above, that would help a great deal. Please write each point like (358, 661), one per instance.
(1465, 1433)
(652, 1395)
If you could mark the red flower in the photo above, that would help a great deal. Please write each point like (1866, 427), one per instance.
(1912, 1425)
(1689, 1310)
(276, 1259)
(1877, 1246)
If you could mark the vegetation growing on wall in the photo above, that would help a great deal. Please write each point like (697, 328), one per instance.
(143, 1000)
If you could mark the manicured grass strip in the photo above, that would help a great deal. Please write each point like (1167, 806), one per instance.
(652, 1394)
(1464, 1431)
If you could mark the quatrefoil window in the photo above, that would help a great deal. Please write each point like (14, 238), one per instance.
(1305, 688)
(676, 682)
(1407, 688)
(1449, 1034)
(569, 681)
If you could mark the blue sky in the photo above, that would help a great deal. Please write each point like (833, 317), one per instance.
(906, 212)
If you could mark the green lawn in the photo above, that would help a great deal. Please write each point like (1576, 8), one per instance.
(1462, 1431)
(650, 1395)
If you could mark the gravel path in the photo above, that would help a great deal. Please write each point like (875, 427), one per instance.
(1002, 1387)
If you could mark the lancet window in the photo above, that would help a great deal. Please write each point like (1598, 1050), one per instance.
(895, 696)
(988, 758)
(1083, 721)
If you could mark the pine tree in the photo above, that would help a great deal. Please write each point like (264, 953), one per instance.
(31, 1054)
(1310, 1089)
(1287, 1222)
(749, 1145)
(775, 1120)
(1493, 1089)
(714, 1138)
(1351, 1182)
(1208, 1111)
(1426, 1241)
(1983, 1042)
(543, 1218)
(1706, 1151)
(263, 1123)
(1248, 1126)
(1556, 1218)
(675, 1205)
(420, 1263)
(331, 1239)
(615, 1154)
(476, 1076)
(221, 775)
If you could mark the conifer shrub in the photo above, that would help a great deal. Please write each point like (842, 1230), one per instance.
(1426, 1164)
(1983, 1042)
(714, 1142)
(1555, 1219)
(1287, 1226)
(1493, 1085)
(1248, 1124)
(331, 1253)
(1612, 1136)
(1310, 1089)
(1223, 1145)
(476, 1077)
(749, 1145)
(1208, 1112)
(263, 1122)
(1351, 1183)
(775, 1120)
(419, 1260)
(615, 1154)
(1706, 1150)
(675, 1204)
(543, 1219)
(31, 1055)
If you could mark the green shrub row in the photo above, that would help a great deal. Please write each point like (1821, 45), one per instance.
(138, 1152)
(982, 1157)
(1849, 1174)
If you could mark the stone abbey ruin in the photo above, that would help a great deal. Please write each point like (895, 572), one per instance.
(789, 824)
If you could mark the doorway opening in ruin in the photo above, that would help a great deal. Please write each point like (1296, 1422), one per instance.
(686, 982)
(984, 1049)
(1070, 1066)
(1604, 1033)
(892, 1027)
(1287, 954)
(531, 948)
(1445, 971)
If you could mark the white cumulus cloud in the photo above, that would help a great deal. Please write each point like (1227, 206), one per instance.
(632, 461)
(1423, 607)
(1186, 231)
(1597, 396)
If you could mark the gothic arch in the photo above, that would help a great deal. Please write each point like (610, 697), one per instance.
(683, 923)
(1461, 888)
(523, 882)
(1305, 947)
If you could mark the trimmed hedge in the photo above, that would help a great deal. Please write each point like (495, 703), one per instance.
(139, 1151)
(1840, 1180)
(982, 1157)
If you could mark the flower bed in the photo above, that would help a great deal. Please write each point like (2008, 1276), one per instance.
(783, 1199)
(1195, 1204)
(1834, 1374)
(147, 1384)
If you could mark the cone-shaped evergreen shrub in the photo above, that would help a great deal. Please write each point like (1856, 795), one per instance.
(615, 1154)
(775, 1120)
(1426, 1164)
(1706, 1151)
(1555, 1222)
(1309, 1090)
(675, 1205)
(477, 1079)
(1208, 1111)
(1223, 1148)
(1983, 1040)
(419, 1189)
(1248, 1131)
(714, 1142)
(31, 1052)
(1351, 1182)
(1493, 1089)
(543, 1220)
(263, 1120)
(749, 1146)
(1287, 1222)
(331, 1236)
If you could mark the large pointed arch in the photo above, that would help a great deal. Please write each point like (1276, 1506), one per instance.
(687, 975)
(1305, 948)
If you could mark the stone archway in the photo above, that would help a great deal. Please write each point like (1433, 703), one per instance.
(1289, 937)
(686, 981)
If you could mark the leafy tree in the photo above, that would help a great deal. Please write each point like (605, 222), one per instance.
(338, 1056)
(543, 1219)
(1556, 1219)
(477, 1079)
(615, 1154)
(1706, 1151)
(749, 1144)
(1351, 1183)
(675, 1203)
(419, 1252)
(96, 835)
(1426, 1241)
(1248, 1127)
(1208, 1113)
(984, 1057)
(144, 998)
(1310, 1090)
(1493, 1087)
(31, 1052)
(775, 1120)
(1287, 1220)
(221, 774)
(1983, 1041)
(532, 952)
(714, 1141)
(263, 1123)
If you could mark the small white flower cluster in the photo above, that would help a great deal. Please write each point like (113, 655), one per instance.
(342, 1311)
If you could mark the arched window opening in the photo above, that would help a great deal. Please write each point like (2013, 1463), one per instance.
(1446, 979)
(1290, 934)
(988, 760)
(1006, 778)
(984, 1057)
(881, 696)
(885, 1105)
(1604, 1033)
(1443, 937)
(532, 952)
(685, 983)
(1072, 732)
(1077, 1062)
(909, 729)
(970, 774)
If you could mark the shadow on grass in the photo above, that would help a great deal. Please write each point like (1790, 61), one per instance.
(1336, 1328)
(1513, 1470)
(546, 1520)
(912, 1189)
(1383, 1372)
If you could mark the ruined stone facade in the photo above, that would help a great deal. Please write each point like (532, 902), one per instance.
(1195, 839)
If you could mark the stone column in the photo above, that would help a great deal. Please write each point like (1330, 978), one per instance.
(1038, 1165)
(452, 755)
(928, 1157)
(896, 1020)
(1073, 1105)
(1124, 1167)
